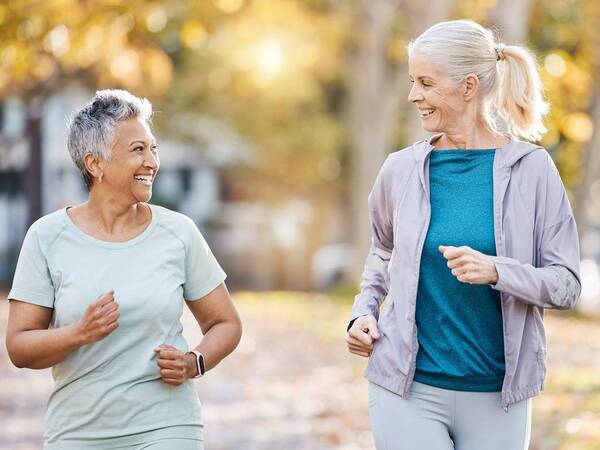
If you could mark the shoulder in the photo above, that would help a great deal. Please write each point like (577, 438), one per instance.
(538, 166)
(48, 228)
(178, 224)
(400, 161)
(538, 158)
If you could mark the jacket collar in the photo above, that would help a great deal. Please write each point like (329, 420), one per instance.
(508, 155)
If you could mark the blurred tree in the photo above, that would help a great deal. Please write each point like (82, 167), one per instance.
(567, 35)
(378, 83)
(45, 44)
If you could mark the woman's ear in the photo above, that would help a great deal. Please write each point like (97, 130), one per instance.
(470, 86)
(93, 166)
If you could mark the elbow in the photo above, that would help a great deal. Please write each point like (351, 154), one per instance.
(14, 355)
(237, 331)
(573, 295)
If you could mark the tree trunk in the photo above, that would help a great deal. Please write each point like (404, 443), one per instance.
(512, 18)
(33, 173)
(377, 91)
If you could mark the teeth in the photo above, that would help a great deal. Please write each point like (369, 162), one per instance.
(147, 180)
(427, 112)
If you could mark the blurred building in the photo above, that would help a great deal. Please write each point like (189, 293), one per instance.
(188, 181)
(259, 245)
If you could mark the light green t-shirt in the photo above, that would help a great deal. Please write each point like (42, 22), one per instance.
(110, 392)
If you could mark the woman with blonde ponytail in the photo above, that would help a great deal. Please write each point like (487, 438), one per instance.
(473, 237)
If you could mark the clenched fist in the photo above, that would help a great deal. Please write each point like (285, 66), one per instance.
(175, 366)
(470, 266)
(99, 319)
(361, 335)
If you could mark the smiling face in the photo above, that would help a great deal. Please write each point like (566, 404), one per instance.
(440, 100)
(133, 164)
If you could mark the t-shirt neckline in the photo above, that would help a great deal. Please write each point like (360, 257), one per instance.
(107, 244)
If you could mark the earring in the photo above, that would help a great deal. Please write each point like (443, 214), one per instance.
(100, 178)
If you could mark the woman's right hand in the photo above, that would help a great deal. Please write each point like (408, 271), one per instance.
(362, 334)
(99, 319)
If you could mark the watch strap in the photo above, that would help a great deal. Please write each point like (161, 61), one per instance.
(199, 362)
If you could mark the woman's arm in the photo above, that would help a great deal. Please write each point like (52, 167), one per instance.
(220, 325)
(374, 279)
(32, 345)
(222, 329)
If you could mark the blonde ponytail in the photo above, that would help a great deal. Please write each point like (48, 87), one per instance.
(520, 100)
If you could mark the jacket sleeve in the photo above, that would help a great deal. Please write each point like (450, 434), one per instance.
(375, 278)
(555, 283)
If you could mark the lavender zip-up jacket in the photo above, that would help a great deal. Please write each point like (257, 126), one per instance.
(537, 261)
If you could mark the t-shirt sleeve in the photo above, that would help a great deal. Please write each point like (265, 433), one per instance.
(202, 271)
(32, 282)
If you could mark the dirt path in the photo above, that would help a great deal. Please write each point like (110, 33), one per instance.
(291, 386)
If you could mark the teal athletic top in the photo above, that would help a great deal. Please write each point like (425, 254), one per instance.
(109, 393)
(459, 325)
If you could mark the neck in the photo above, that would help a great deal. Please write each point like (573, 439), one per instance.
(112, 213)
(471, 137)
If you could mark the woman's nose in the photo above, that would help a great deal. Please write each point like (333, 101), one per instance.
(414, 95)
(152, 161)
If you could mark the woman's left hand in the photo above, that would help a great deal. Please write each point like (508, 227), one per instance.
(175, 366)
(470, 266)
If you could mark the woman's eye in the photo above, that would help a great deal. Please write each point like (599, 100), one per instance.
(154, 150)
(137, 149)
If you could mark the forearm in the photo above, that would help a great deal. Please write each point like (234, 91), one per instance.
(219, 341)
(40, 349)
(374, 284)
(548, 287)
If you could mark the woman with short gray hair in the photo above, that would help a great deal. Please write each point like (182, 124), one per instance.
(472, 237)
(98, 296)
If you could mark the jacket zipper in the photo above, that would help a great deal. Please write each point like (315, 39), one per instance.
(500, 252)
(413, 360)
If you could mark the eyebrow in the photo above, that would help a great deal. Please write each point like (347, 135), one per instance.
(422, 76)
(141, 142)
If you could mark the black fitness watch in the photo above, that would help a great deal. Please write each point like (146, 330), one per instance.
(199, 362)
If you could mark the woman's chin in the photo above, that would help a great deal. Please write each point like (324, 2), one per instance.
(143, 197)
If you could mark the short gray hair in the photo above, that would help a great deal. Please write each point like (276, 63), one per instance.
(92, 128)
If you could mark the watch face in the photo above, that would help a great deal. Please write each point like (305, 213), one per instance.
(200, 359)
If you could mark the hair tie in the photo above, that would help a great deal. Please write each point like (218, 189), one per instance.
(499, 47)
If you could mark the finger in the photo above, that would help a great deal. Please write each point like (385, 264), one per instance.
(170, 373)
(110, 307)
(446, 250)
(110, 328)
(369, 326)
(457, 262)
(360, 348)
(454, 252)
(361, 336)
(169, 354)
(105, 298)
(374, 331)
(113, 317)
(353, 341)
(359, 353)
(163, 347)
(170, 363)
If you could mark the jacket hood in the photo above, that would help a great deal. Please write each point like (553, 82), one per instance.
(510, 154)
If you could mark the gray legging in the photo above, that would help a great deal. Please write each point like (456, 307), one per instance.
(439, 419)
